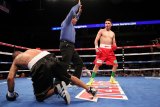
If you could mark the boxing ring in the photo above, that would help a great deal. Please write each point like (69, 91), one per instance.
(138, 77)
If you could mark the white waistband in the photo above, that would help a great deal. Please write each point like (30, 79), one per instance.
(105, 46)
(37, 58)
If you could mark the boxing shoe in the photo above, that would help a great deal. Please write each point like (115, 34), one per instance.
(113, 80)
(62, 91)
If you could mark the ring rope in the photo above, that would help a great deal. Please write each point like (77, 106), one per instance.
(18, 71)
(5, 62)
(129, 62)
(15, 46)
(126, 69)
(5, 53)
(152, 53)
(124, 47)
(81, 49)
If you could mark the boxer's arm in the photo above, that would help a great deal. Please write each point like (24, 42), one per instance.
(11, 94)
(97, 38)
(114, 45)
(11, 76)
(79, 83)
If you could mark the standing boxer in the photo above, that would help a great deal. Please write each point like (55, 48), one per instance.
(105, 52)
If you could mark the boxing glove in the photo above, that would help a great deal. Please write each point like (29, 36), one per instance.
(92, 91)
(11, 96)
(114, 47)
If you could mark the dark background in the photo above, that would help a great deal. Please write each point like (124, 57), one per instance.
(29, 22)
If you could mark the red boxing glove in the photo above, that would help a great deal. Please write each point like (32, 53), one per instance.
(114, 47)
(38, 48)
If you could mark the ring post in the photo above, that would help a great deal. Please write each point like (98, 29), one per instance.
(123, 64)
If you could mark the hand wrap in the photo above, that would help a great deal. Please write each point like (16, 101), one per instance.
(98, 51)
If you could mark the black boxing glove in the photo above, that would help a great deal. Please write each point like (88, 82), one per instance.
(11, 96)
(92, 91)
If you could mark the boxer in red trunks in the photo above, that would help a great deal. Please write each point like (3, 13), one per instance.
(105, 51)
